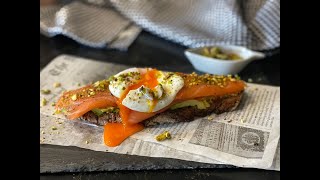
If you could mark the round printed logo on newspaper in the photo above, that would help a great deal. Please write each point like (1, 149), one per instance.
(250, 138)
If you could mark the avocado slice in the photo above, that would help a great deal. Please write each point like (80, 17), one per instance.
(203, 104)
(99, 112)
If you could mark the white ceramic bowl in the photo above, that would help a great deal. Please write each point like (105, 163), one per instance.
(222, 67)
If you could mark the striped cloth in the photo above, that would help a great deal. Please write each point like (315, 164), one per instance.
(193, 23)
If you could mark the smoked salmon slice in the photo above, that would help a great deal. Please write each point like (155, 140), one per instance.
(76, 103)
(98, 95)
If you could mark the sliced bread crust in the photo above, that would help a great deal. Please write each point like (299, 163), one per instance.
(218, 104)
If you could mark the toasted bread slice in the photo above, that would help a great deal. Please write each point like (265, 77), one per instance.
(218, 104)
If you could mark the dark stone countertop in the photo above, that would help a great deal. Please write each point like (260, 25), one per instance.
(147, 50)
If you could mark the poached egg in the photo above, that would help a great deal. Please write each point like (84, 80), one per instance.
(145, 89)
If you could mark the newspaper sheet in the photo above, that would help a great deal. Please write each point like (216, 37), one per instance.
(246, 137)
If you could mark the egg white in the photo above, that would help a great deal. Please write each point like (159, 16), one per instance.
(117, 87)
(142, 98)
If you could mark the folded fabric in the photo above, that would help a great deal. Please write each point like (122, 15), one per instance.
(90, 25)
(195, 23)
(192, 23)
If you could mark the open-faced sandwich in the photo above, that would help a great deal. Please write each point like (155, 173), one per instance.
(137, 97)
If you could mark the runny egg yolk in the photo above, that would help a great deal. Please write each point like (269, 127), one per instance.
(116, 133)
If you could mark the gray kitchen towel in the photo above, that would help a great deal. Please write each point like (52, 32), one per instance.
(88, 24)
(193, 23)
